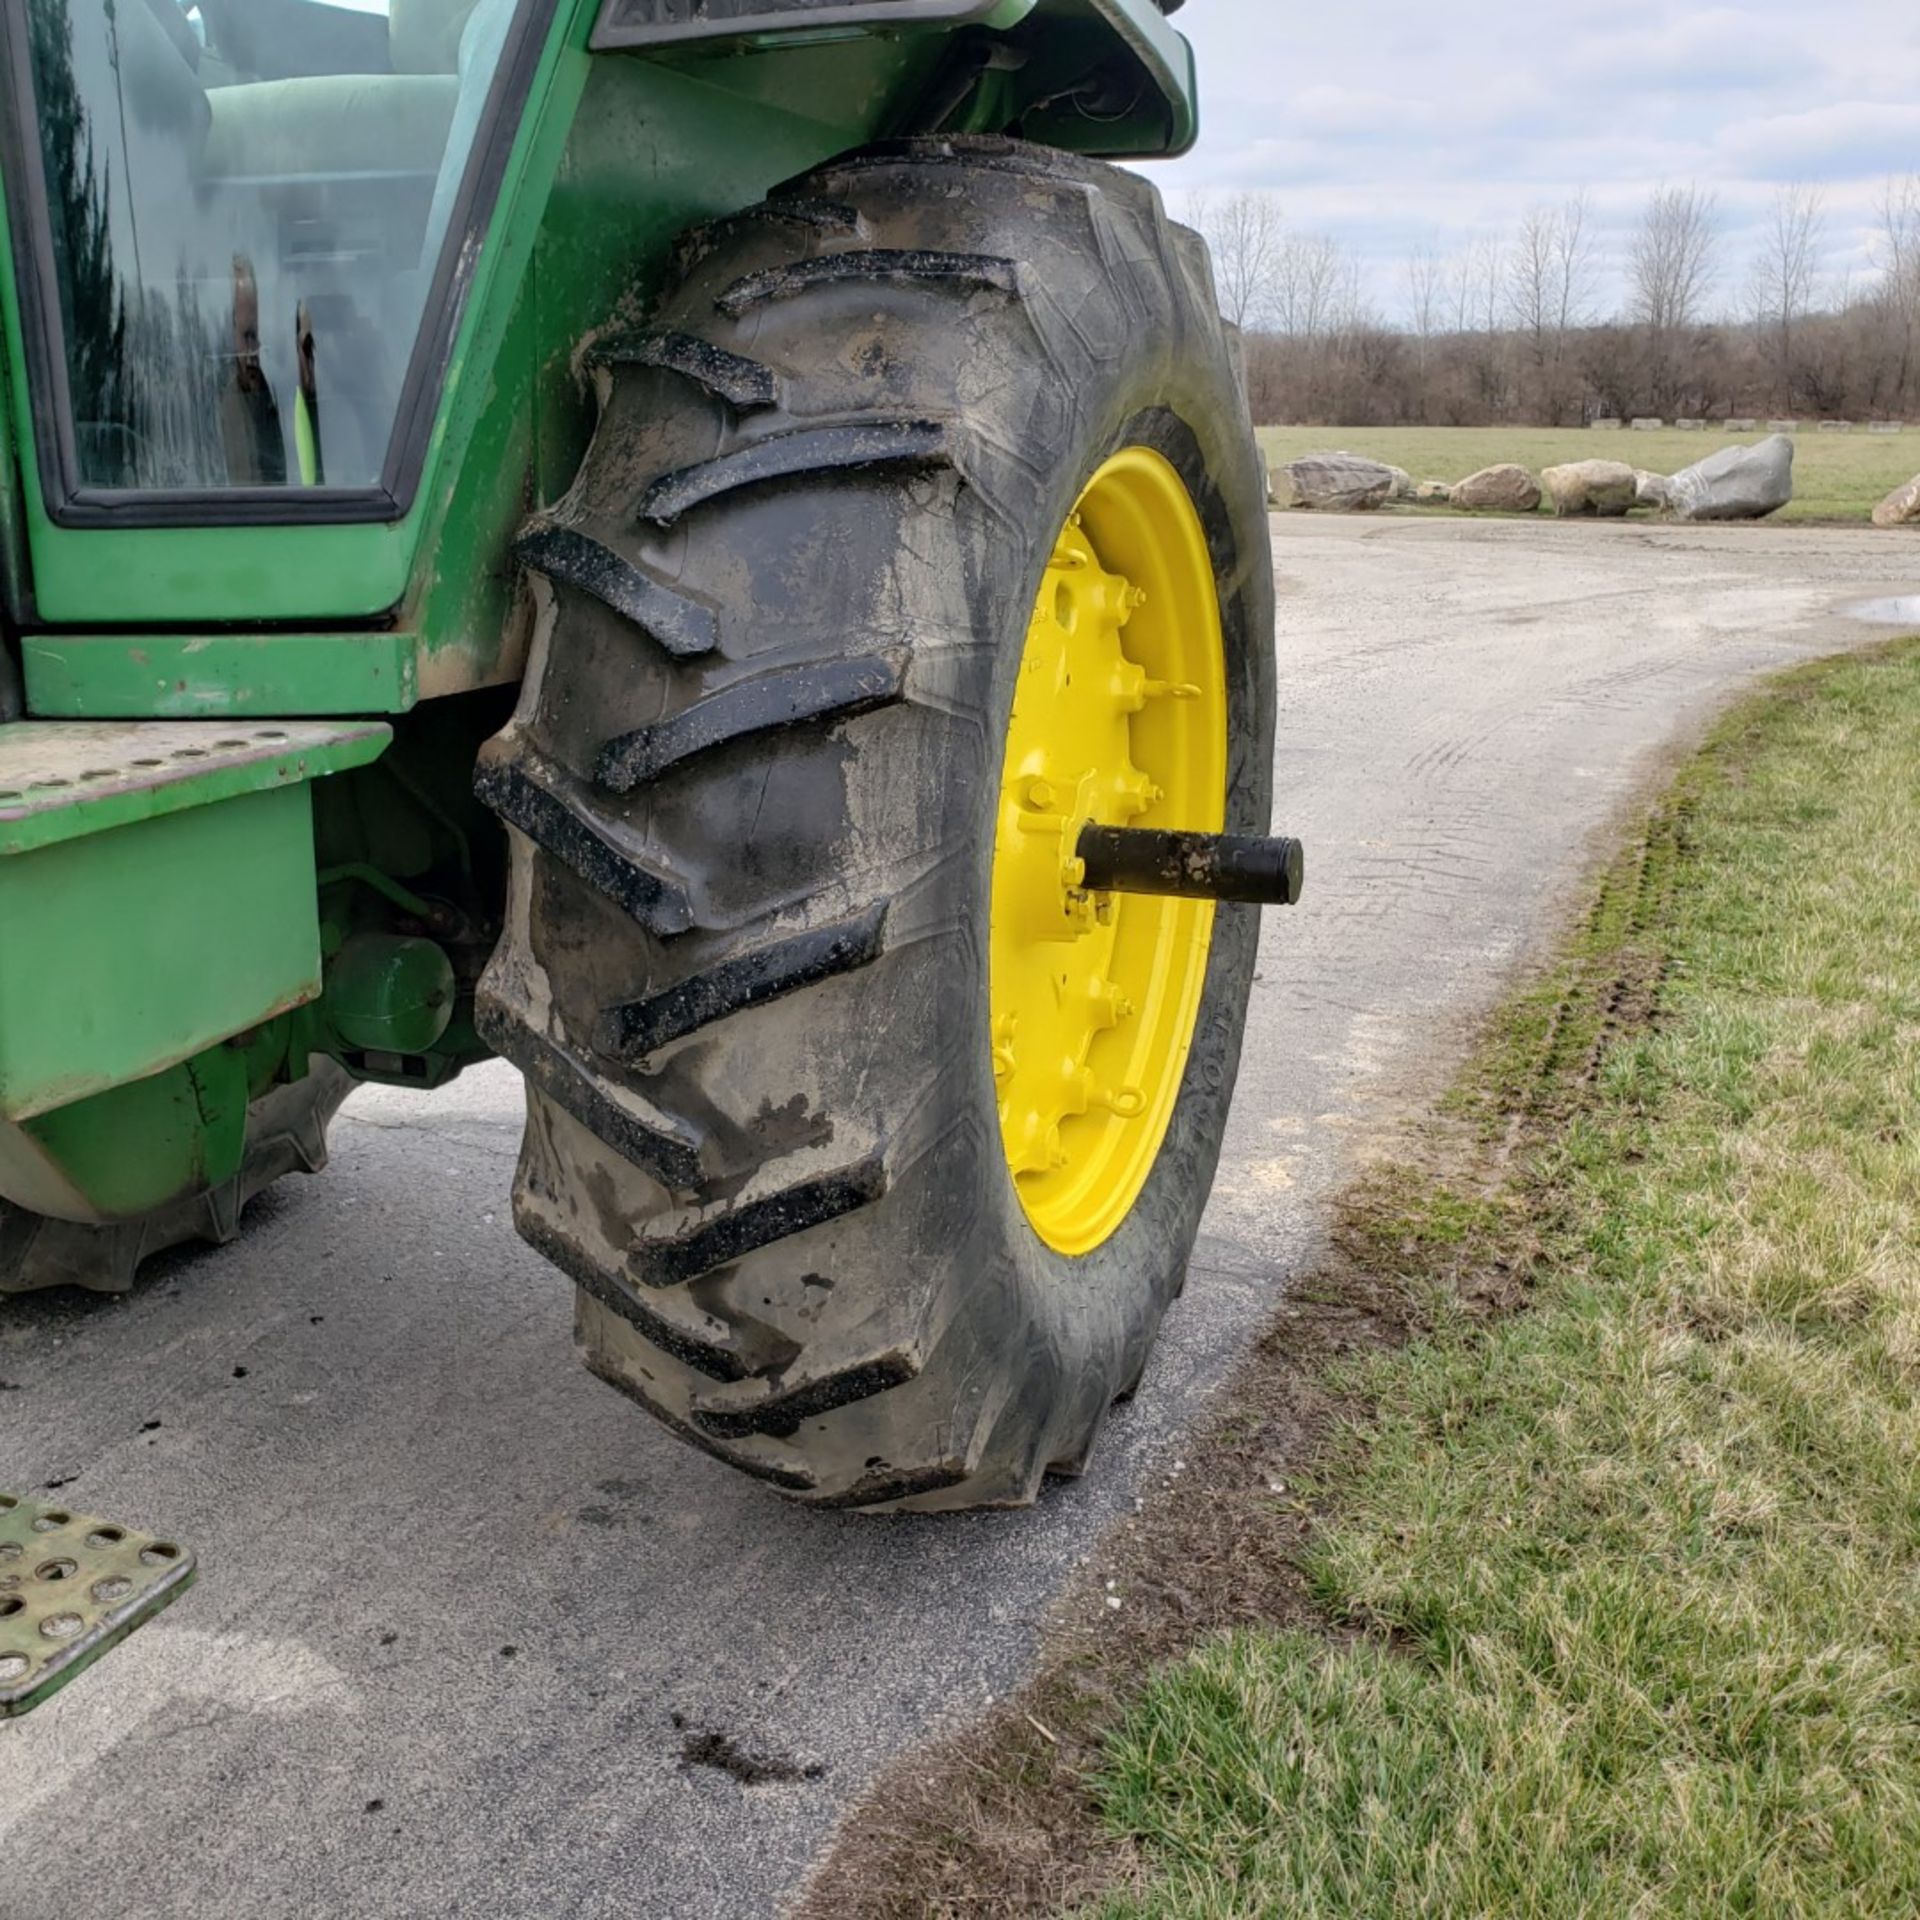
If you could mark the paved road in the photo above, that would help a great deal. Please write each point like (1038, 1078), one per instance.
(463, 1608)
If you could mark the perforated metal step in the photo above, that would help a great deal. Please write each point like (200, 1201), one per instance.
(61, 779)
(71, 1587)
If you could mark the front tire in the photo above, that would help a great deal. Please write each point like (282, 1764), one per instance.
(755, 778)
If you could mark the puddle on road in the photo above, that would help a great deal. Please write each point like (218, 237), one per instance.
(1901, 611)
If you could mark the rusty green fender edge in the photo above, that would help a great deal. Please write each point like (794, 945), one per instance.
(184, 676)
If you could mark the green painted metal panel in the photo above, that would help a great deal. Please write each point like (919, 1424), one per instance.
(157, 892)
(127, 951)
(120, 1154)
(186, 676)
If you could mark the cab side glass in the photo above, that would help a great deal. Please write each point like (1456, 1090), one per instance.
(246, 202)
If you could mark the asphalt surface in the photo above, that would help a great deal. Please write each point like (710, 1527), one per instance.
(471, 1633)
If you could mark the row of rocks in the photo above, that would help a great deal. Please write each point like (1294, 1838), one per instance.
(1737, 483)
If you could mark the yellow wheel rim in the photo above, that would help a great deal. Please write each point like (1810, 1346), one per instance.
(1119, 717)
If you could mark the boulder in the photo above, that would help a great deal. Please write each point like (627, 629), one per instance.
(1901, 508)
(1433, 493)
(1783, 426)
(1605, 487)
(1403, 487)
(1886, 426)
(1690, 426)
(1743, 426)
(1648, 426)
(1737, 483)
(1281, 492)
(1653, 490)
(1502, 489)
(1606, 426)
(1337, 482)
(1836, 426)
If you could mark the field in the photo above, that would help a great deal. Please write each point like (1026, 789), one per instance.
(1837, 476)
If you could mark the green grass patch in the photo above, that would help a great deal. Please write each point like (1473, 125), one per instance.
(1837, 476)
(1622, 1589)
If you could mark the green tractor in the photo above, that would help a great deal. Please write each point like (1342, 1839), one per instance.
(712, 549)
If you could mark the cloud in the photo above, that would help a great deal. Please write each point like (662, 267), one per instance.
(1393, 126)
(1838, 142)
(1328, 111)
(1720, 50)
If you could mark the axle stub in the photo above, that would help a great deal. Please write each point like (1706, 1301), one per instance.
(1193, 866)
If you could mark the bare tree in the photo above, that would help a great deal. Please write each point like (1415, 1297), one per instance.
(1780, 287)
(1532, 302)
(1425, 292)
(1549, 272)
(1671, 265)
(1246, 236)
(1533, 307)
(1315, 287)
(1573, 264)
(1460, 280)
(1482, 277)
(1898, 296)
(1670, 268)
(1490, 279)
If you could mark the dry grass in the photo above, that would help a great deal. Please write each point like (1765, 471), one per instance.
(1557, 1553)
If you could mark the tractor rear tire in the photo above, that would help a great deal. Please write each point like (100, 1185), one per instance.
(754, 779)
(286, 1133)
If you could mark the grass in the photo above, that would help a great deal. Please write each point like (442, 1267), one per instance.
(1619, 1595)
(1557, 1552)
(1837, 476)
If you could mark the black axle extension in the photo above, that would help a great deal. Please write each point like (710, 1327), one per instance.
(1194, 866)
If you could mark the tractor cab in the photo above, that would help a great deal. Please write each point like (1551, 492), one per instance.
(239, 213)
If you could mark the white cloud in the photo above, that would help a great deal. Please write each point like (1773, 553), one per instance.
(1719, 50)
(1838, 142)
(1395, 125)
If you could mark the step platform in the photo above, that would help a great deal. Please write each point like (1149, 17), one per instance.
(157, 895)
(72, 1587)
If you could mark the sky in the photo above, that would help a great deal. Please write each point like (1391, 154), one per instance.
(1439, 122)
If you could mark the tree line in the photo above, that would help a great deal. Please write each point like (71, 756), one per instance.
(1509, 331)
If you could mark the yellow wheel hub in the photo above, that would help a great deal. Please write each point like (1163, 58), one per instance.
(1119, 718)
